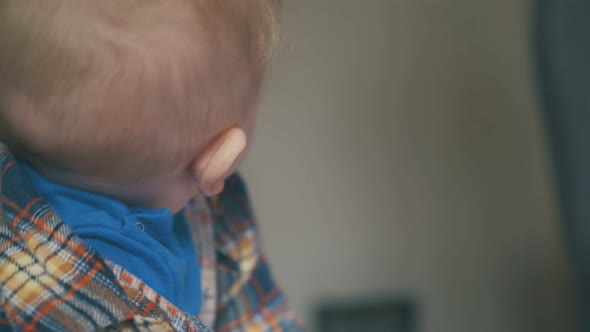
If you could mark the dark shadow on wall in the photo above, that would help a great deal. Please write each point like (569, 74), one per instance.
(562, 59)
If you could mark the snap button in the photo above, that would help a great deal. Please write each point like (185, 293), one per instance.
(140, 226)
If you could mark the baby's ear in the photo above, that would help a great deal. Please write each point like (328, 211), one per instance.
(216, 161)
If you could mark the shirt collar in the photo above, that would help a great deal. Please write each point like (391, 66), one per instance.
(72, 203)
(91, 294)
(31, 230)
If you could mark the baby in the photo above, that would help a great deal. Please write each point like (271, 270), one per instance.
(122, 124)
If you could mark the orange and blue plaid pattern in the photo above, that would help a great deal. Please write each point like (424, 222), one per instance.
(50, 280)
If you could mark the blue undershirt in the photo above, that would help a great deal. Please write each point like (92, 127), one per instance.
(152, 244)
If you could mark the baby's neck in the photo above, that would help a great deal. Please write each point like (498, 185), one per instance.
(148, 194)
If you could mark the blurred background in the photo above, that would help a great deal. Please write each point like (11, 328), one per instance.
(400, 164)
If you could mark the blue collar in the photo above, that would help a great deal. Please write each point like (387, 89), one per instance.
(150, 243)
(71, 203)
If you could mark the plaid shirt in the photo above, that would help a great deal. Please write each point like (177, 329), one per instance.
(51, 281)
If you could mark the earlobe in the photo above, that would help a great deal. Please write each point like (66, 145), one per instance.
(217, 160)
(216, 188)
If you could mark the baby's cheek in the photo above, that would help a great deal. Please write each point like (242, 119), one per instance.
(178, 193)
(191, 189)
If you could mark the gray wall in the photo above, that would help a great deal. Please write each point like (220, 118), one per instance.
(399, 151)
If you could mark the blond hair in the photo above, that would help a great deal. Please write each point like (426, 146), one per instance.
(86, 83)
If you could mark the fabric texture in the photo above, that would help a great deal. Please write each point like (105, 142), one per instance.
(151, 244)
(50, 280)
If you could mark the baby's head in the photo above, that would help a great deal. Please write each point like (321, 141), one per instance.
(149, 101)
